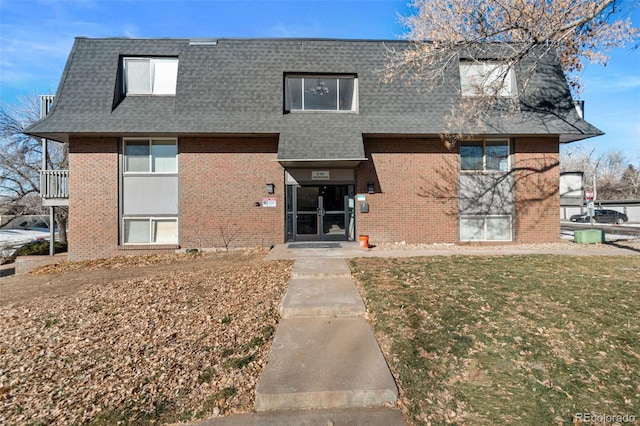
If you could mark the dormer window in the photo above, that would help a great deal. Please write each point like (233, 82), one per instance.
(150, 76)
(320, 93)
(487, 79)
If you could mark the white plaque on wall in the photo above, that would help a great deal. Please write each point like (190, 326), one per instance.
(320, 175)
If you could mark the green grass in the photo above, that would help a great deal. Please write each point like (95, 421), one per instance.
(508, 339)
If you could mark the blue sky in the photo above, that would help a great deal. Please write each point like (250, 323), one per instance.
(36, 37)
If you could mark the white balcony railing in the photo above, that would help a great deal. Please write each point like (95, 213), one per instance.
(54, 184)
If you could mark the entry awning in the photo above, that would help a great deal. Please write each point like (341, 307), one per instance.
(323, 147)
(341, 163)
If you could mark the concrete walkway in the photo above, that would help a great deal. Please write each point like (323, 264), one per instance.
(348, 250)
(325, 366)
(324, 355)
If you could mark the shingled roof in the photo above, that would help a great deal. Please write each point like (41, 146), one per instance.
(235, 86)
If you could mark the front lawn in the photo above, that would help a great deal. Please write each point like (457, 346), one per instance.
(528, 339)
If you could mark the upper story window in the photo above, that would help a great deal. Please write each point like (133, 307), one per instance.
(150, 76)
(321, 93)
(151, 156)
(487, 79)
(489, 155)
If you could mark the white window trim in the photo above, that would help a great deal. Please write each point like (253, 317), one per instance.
(484, 217)
(354, 101)
(150, 140)
(151, 219)
(484, 156)
(508, 89)
(152, 68)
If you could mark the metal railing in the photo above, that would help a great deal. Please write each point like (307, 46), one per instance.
(54, 184)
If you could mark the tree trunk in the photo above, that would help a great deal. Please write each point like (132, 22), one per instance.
(61, 221)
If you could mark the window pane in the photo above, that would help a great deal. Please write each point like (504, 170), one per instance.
(497, 80)
(497, 153)
(471, 228)
(136, 230)
(164, 154)
(136, 156)
(165, 231)
(499, 228)
(165, 76)
(347, 94)
(471, 156)
(137, 76)
(471, 79)
(321, 94)
(486, 79)
(293, 98)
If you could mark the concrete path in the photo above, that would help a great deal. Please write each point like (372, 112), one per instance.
(324, 355)
(348, 250)
(325, 366)
(327, 417)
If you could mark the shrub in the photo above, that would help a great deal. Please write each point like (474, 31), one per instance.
(40, 248)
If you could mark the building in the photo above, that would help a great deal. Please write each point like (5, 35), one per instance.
(177, 144)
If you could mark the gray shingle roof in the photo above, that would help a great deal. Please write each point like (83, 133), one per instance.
(235, 86)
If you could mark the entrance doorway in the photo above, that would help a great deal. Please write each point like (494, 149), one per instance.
(320, 213)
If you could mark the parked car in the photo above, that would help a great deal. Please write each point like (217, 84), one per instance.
(601, 216)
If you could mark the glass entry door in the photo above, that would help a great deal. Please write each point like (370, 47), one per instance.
(308, 210)
(319, 213)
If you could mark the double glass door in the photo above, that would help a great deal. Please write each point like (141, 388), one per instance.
(319, 213)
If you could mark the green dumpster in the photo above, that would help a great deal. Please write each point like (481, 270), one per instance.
(588, 236)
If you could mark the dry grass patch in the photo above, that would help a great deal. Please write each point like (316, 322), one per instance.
(528, 339)
(165, 348)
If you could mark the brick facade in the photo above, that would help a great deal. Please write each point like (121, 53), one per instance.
(415, 196)
(220, 180)
(93, 201)
(537, 180)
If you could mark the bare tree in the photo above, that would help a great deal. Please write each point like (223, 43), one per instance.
(630, 181)
(21, 161)
(515, 35)
(613, 175)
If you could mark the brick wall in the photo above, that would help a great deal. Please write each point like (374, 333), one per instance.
(220, 180)
(93, 200)
(537, 173)
(416, 191)
(415, 196)
(415, 199)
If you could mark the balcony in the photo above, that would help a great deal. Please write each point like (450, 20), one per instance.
(54, 187)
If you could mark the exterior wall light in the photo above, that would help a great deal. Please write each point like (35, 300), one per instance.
(371, 188)
(271, 188)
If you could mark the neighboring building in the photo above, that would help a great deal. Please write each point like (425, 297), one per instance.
(192, 143)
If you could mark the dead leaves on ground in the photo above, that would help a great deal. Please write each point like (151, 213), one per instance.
(123, 262)
(176, 347)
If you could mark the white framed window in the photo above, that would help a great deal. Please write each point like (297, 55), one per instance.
(487, 79)
(150, 76)
(321, 93)
(150, 230)
(486, 228)
(485, 155)
(159, 155)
